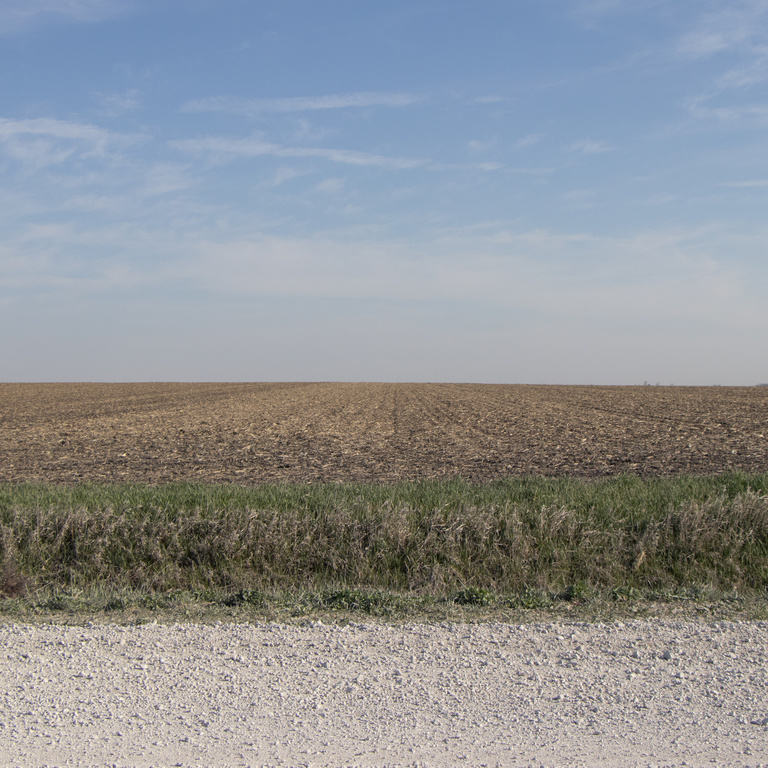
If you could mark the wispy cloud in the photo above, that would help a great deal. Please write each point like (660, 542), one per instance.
(739, 30)
(530, 171)
(507, 268)
(580, 198)
(255, 147)
(738, 25)
(589, 147)
(330, 186)
(480, 146)
(165, 178)
(15, 15)
(660, 274)
(253, 107)
(44, 141)
(481, 166)
(757, 183)
(539, 293)
(281, 175)
(115, 104)
(528, 141)
(738, 34)
(703, 107)
(744, 77)
(52, 127)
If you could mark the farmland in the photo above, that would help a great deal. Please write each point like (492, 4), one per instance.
(249, 434)
(312, 497)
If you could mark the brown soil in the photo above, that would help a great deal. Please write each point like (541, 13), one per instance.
(325, 432)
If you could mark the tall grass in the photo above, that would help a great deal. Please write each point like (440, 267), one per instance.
(431, 538)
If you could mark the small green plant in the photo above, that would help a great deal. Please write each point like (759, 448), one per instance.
(12, 583)
(54, 602)
(115, 604)
(356, 600)
(533, 598)
(244, 597)
(473, 596)
(576, 592)
(623, 594)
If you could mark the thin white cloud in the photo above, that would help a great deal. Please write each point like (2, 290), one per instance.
(752, 183)
(253, 107)
(663, 198)
(668, 276)
(574, 290)
(281, 175)
(165, 178)
(255, 147)
(580, 198)
(15, 15)
(530, 171)
(704, 43)
(589, 147)
(662, 275)
(735, 26)
(330, 186)
(736, 29)
(56, 128)
(701, 108)
(744, 77)
(481, 166)
(528, 141)
(739, 30)
(736, 33)
(115, 104)
(42, 142)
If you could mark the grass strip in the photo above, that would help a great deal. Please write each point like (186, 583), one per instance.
(522, 542)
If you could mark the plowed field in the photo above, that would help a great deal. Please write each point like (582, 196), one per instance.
(324, 432)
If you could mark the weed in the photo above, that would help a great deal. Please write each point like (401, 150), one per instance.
(473, 596)
(12, 583)
(357, 600)
(244, 597)
(533, 598)
(538, 540)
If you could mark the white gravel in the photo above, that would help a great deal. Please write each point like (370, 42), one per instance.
(644, 693)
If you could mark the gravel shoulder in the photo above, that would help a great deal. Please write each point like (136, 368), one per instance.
(640, 693)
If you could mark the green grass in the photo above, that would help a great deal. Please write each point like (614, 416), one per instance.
(381, 550)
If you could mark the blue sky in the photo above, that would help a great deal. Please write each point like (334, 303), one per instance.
(532, 191)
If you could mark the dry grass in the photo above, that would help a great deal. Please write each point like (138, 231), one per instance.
(436, 539)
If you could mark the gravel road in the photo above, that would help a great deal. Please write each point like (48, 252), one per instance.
(644, 693)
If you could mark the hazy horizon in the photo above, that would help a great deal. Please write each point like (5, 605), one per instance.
(150, 382)
(531, 192)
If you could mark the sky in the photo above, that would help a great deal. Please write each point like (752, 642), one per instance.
(502, 191)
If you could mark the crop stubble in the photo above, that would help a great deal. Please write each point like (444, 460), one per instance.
(328, 432)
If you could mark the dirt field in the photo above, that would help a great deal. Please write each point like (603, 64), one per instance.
(251, 433)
